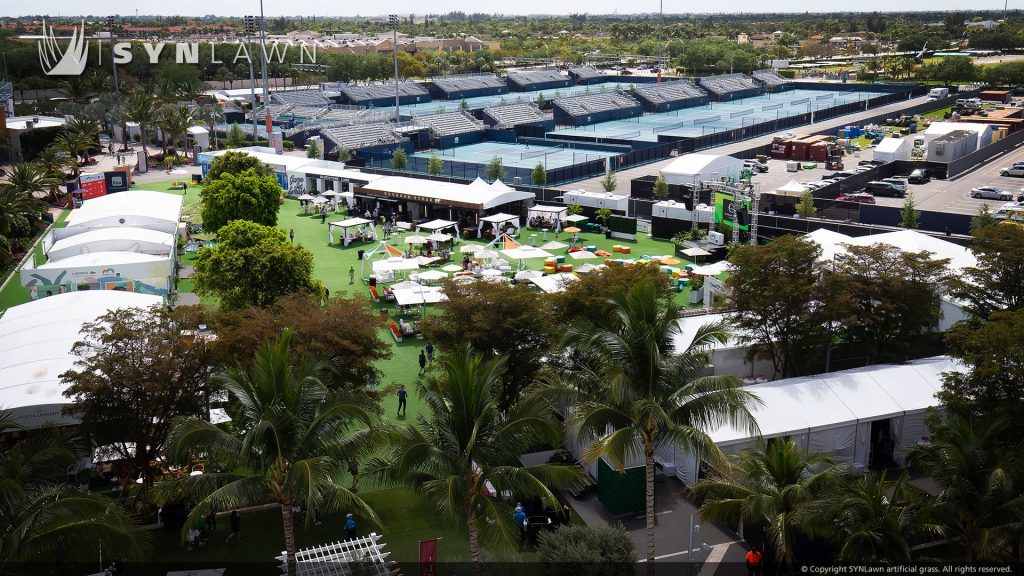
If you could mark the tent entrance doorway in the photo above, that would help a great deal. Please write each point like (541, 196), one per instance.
(882, 449)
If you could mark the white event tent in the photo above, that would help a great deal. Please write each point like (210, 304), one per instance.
(346, 225)
(140, 240)
(497, 222)
(36, 339)
(132, 209)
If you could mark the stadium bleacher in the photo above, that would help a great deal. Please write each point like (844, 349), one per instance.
(362, 135)
(384, 94)
(299, 98)
(545, 79)
(670, 95)
(513, 115)
(769, 78)
(593, 108)
(449, 124)
(584, 74)
(468, 86)
(730, 86)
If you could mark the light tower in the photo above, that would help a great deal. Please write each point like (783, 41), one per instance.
(393, 20)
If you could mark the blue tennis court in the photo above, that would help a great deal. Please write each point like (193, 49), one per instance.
(518, 155)
(717, 116)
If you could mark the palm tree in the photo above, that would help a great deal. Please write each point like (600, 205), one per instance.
(54, 164)
(980, 478)
(31, 179)
(777, 485)
(466, 444)
(74, 145)
(141, 109)
(18, 211)
(174, 121)
(85, 132)
(648, 392)
(294, 440)
(875, 520)
(41, 521)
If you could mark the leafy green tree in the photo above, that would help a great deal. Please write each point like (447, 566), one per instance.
(465, 442)
(248, 195)
(774, 289)
(135, 371)
(983, 219)
(539, 175)
(140, 108)
(18, 211)
(603, 215)
(232, 162)
(43, 522)
(435, 165)
(997, 282)
(805, 207)
(495, 169)
(399, 161)
(601, 550)
(639, 388)
(909, 214)
(292, 441)
(776, 485)
(661, 188)
(541, 102)
(950, 70)
(236, 136)
(979, 478)
(589, 296)
(609, 182)
(54, 165)
(573, 209)
(344, 155)
(253, 265)
(312, 149)
(993, 381)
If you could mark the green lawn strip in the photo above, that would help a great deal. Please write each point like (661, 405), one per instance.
(14, 293)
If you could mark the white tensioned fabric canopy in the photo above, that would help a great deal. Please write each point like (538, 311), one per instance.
(497, 221)
(554, 245)
(554, 282)
(413, 296)
(526, 252)
(712, 269)
(583, 255)
(345, 225)
(395, 265)
(576, 218)
(435, 225)
(138, 208)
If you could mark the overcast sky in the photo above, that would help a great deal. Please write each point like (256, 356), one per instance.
(353, 8)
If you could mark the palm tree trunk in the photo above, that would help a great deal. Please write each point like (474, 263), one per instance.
(649, 469)
(289, 535)
(474, 543)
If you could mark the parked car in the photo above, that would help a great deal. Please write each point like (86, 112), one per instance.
(919, 176)
(899, 183)
(883, 188)
(1014, 170)
(991, 192)
(858, 197)
(870, 163)
(755, 166)
(841, 174)
(1011, 211)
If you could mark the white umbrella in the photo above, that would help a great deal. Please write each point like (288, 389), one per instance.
(452, 268)
(712, 269)
(527, 274)
(406, 285)
(415, 240)
(306, 197)
(439, 237)
(583, 255)
(331, 194)
(490, 273)
(426, 260)
(486, 255)
(432, 275)
(320, 200)
(554, 245)
(470, 248)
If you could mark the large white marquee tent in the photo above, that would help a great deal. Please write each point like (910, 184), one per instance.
(134, 209)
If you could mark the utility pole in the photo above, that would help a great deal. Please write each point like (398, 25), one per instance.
(393, 20)
(263, 59)
(110, 28)
(250, 28)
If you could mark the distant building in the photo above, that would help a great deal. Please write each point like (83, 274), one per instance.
(986, 24)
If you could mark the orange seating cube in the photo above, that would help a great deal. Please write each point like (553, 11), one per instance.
(565, 267)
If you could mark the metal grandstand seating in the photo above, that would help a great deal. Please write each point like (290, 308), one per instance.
(362, 135)
(585, 104)
(583, 73)
(464, 82)
(299, 98)
(528, 78)
(450, 123)
(364, 92)
(515, 114)
(727, 84)
(669, 91)
(769, 78)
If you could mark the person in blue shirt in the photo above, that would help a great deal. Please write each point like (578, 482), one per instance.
(519, 517)
(350, 526)
(402, 394)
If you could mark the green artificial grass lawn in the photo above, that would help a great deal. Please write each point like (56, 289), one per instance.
(14, 293)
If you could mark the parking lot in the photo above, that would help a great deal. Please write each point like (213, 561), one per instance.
(951, 196)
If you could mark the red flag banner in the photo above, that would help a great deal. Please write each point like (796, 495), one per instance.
(428, 557)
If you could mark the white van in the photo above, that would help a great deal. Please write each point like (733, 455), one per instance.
(936, 93)
(969, 102)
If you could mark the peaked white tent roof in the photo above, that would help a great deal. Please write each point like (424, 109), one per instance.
(112, 240)
(134, 207)
(554, 282)
(36, 340)
(907, 240)
(476, 196)
(791, 188)
(435, 225)
(499, 218)
(104, 259)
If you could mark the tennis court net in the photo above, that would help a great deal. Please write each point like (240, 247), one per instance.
(540, 152)
(667, 127)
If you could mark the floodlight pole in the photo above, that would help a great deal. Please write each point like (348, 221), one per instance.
(249, 29)
(393, 20)
(110, 28)
(263, 59)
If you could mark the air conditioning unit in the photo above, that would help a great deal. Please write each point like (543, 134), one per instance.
(716, 238)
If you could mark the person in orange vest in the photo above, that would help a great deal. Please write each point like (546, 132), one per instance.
(754, 561)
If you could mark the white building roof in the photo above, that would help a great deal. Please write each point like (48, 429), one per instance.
(280, 162)
(703, 165)
(103, 259)
(940, 128)
(112, 240)
(36, 339)
(131, 206)
(479, 196)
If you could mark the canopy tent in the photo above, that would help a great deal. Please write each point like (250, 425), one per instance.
(554, 245)
(525, 253)
(432, 275)
(305, 197)
(320, 200)
(833, 413)
(791, 188)
(415, 239)
(470, 248)
(497, 222)
(478, 196)
(395, 264)
(438, 225)
(413, 296)
(583, 255)
(576, 218)
(527, 274)
(134, 208)
(833, 245)
(439, 237)
(406, 285)
(141, 240)
(696, 252)
(347, 225)
(712, 269)
(554, 282)
(555, 213)
(831, 242)
(452, 268)
(382, 249)
(588, 268)
(426, 260)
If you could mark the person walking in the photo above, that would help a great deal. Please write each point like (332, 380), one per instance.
(371, 380)
(753, 558)
(519, 517)
(236, 527)
(353, 469)
(402, 395)
(350, 526)
(423, 362)
(430, 353)
(291, 235)
(323, 216)
(352, 274)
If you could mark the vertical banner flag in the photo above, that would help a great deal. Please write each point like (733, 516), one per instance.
(428, 557)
